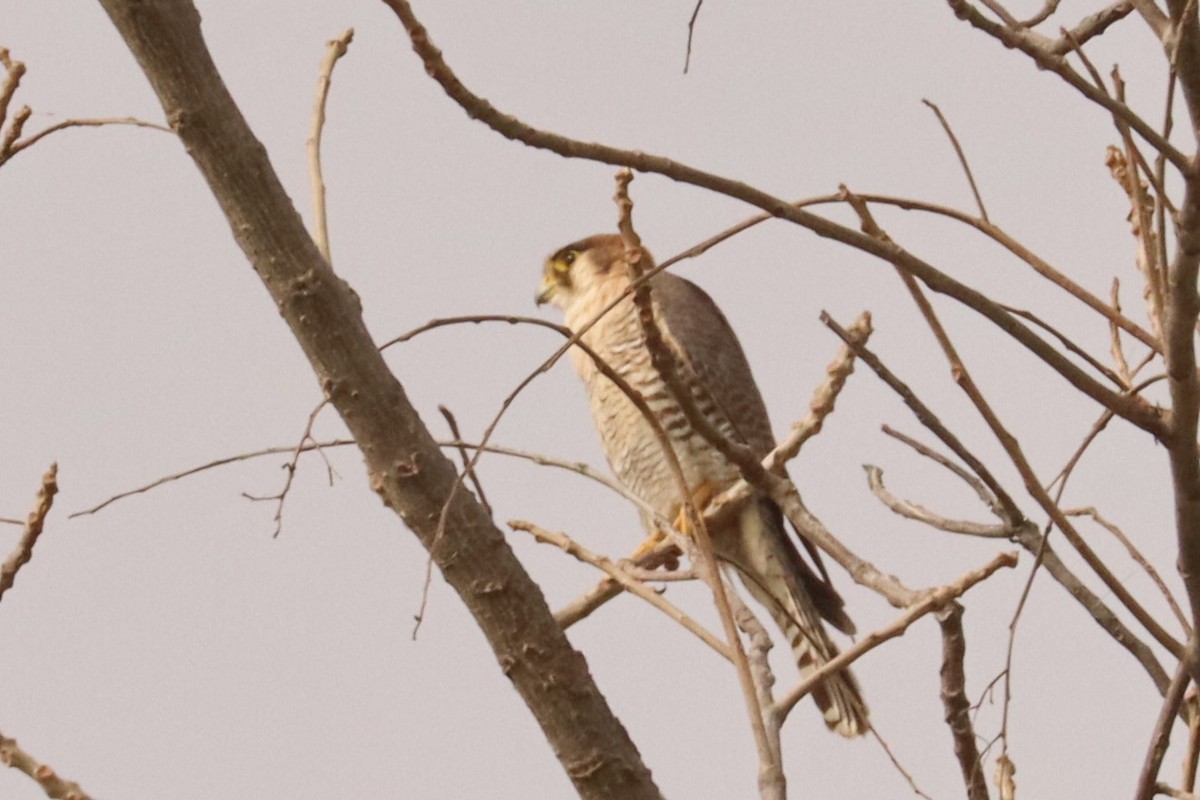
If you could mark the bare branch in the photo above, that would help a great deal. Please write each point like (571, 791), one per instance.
(452, 423)
(912, 784)
(915, 512)
(1162, 727)
(626, 581)
(1137, 556)
(1191, 712)
(691, 28)
(13, 72)
(44, 775)
(1047, 55)
(772, 783)
(954, 700)
(290, 468)
(664, 363)
(1025, 534)
(34, 525)
(824, 398)
(930, 420)
(1012, 448)
(1029, 538)
(980, 488)
(29, 141)
(1004, 777)
(1153, 16)
(334, 50)
(930, 601)
(962, 157)
(1047, 10)
(1093, 25)
(1164, 789)
(1116, 349)
(1136, 411)
(1067, 343)
(1141, 211)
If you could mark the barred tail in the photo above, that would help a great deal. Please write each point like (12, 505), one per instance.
(767, 568)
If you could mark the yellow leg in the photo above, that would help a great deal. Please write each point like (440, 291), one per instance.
(701, 497)
(651, 543)
(654, 551)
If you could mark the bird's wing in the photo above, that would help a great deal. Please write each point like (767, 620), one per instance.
(704, 342)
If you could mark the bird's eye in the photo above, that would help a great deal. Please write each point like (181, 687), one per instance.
(564, 262)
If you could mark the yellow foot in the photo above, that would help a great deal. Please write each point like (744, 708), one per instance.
(654, 552)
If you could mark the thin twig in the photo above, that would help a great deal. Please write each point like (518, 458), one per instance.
(930, 420)
(1115, 348)
(13, 72)
(1092, 26)
(334, 50)
(887, 750)
(627, 582)
(1066, 342)
(1047, 10)
(290, 469)
(1124, 170)
(452, 423)
(979, 487)
(962, 157)
(757, 653)
(1191, 708)
(923, 515)
(1137, 556)
(32, 139)
(691, 28)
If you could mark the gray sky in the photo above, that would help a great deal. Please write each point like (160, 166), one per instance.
(169, 647)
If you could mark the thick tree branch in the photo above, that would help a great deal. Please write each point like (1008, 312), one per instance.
(405, 465)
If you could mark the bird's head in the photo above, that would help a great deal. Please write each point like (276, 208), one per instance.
(581, 268)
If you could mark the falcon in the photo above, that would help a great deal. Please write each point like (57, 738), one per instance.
(583, 279)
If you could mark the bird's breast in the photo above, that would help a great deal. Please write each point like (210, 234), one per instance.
(634, 441)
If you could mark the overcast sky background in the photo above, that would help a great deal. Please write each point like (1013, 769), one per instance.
(170, 647)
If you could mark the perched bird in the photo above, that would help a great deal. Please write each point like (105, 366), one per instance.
(582, 279)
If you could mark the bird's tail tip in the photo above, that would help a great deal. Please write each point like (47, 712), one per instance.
(842, 705)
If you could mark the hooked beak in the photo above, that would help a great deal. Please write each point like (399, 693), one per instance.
(546, 290)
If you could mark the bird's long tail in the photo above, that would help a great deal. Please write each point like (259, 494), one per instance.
(768, 565)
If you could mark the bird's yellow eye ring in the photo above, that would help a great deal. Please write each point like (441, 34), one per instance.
(563, 263)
